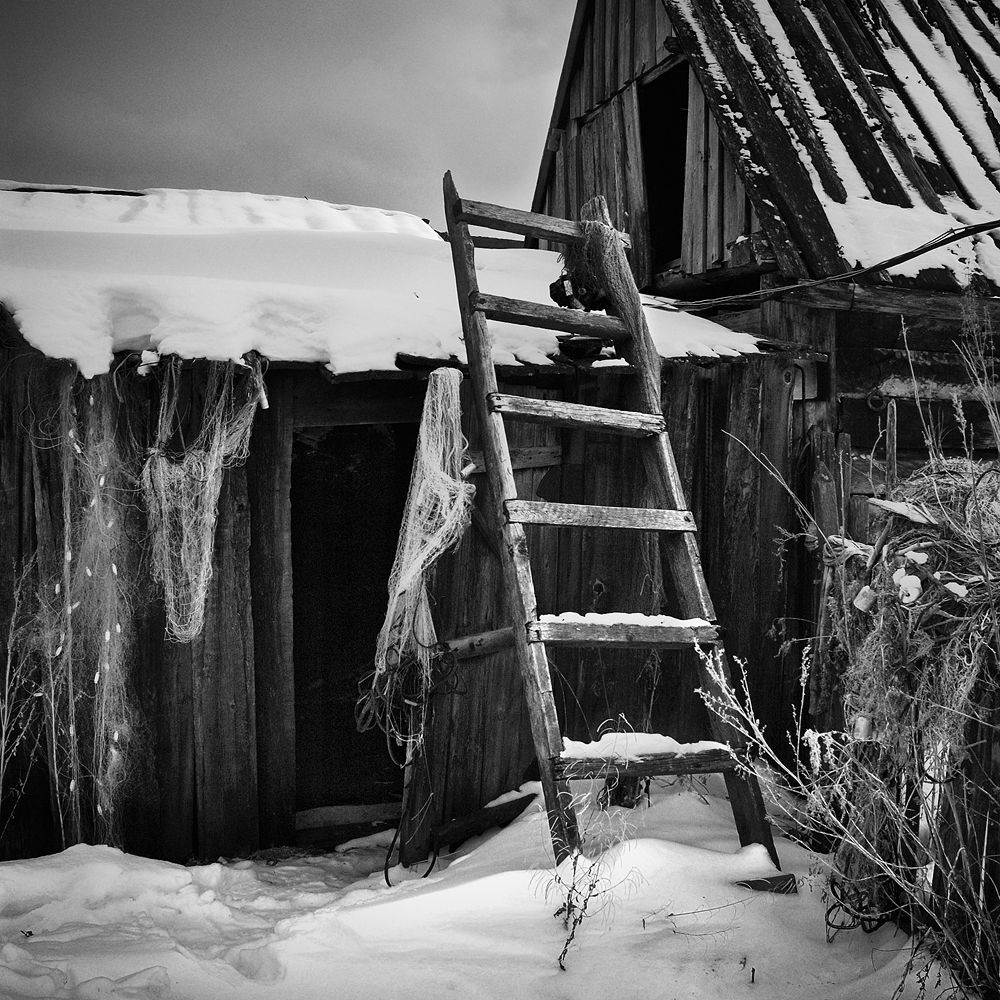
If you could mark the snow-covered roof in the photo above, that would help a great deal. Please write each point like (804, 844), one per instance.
(216, 274)
(892, 109)
(861, 128)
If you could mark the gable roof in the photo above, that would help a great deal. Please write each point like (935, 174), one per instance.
(861, 128)
(216, 274)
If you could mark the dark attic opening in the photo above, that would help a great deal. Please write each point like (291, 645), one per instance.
(663, 114)
(348, 491)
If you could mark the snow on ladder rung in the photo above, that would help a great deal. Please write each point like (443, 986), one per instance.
(622, 630)
(647, 766)
(593, 516)
(558, 413)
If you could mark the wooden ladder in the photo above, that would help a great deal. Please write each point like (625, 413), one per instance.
(511, 514)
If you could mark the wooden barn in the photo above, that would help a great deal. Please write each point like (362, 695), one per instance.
(753, 151)
(237, 721)
(752, 146)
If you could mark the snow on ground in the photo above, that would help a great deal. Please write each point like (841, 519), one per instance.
(217, 274)
(669, 922)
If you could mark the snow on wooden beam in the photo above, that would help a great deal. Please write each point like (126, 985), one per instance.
(840, 105)
(767, 160)
(745, 19)
(848, 48)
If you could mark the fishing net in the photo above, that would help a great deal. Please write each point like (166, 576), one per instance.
(181, 481)
(79, 632)
(437, 513)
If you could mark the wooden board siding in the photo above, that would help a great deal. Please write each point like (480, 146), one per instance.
(477, 745)
(600, 147)
(478, 739)
(269, 472)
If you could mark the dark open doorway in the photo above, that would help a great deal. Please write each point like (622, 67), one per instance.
(349, 488)
(663, 115)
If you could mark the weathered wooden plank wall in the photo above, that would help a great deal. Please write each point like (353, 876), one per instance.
(600, 151)
(477, 746)
(25, 388)
(478, 738)
(269, 488)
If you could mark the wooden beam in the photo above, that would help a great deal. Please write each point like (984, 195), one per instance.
(482, 644)
(840, 105)
(512, 220)
(744, 16)
(647, 766)
(623, 636)
(864, 372)
(535, 457)
(269, 481)
(873, 103)
(452, 833)
(782, 192)
(596, 516)
(889, 299)
(559, 413)
(536, 314)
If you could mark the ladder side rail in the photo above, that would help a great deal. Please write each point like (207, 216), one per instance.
(684, 565)
(662, 474)
(531, 657)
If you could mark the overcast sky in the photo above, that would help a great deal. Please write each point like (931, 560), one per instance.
(365, 102)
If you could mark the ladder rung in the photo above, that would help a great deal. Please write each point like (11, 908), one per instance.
(525, 313)
(592, 516)
(561, 414)
(623, 634)
(647, 766)
(512, 220)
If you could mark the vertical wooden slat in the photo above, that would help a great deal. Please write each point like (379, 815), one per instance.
(587, 147)
(587, 91)
(643, 29)
(693, 225)
(558, 189)
(663, 30)
(269, 476)
(626, 27)
(635, 183)
(600, 65)
(613, 165)
(714, 244)
(224, 710)
(734, 204)
(571, 150)
(610, 47)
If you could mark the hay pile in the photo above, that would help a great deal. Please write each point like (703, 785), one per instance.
(916, 621)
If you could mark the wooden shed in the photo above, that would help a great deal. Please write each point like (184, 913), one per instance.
(243, 736)
(751, 148)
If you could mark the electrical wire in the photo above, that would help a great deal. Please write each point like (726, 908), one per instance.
(766, 294)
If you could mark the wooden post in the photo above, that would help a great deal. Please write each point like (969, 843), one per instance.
(269, 473)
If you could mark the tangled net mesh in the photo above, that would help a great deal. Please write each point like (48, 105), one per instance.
(78, 635)
(437, 514)
(181, 481)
